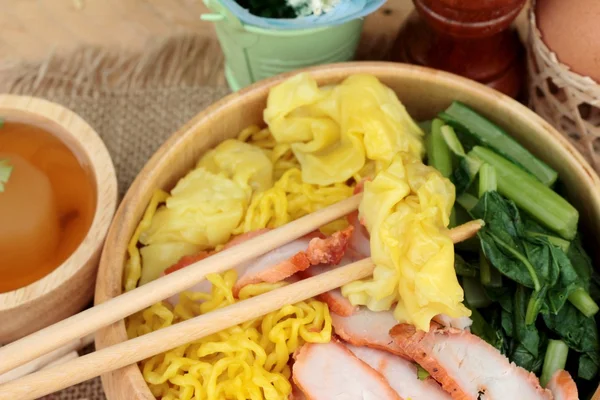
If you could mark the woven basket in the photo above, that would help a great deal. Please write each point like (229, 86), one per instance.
(567, 100)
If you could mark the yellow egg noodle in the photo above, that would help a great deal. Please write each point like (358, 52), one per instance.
(237, 353)
(318, 144)
(133, 266)
(248, 361)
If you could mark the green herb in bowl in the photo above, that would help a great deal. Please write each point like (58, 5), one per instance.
(534, 293)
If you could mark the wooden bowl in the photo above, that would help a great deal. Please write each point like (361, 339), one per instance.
(423, 91)
(70, 287)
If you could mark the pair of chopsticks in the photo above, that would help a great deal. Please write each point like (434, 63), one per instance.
(59, 356)
(111, 358)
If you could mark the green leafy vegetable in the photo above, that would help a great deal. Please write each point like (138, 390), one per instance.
(475, 295)
(489, 275)
(465, 174)
(589, 277)
(530, 261)
(422, 374)
(531, 196)
(438, 153)
(464, 268)
(425, 127)
(500, 239)
(269, 8)
(584, 302)
(488, 183)
(556, 241)
(467, 201)
(554, 360)
(486, 331)
(5, 172)
(487, 133)
(580, 333)
(583, 265)
(530, 237)
(452, 140)
(522, 343)
(528, 347)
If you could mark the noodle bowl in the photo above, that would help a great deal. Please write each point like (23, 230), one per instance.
(404, 79)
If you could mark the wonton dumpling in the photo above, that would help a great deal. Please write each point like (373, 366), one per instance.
(203, 209)
(206, 205)
(406, 209)
(334, 131)
(243, 163)
(159, 256)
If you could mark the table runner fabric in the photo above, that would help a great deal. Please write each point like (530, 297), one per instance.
(134, 102)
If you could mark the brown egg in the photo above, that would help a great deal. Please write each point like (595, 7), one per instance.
(571, 29)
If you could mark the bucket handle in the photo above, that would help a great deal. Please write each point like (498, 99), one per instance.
(220, 14)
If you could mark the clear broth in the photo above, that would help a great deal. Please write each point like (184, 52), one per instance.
(47, 206)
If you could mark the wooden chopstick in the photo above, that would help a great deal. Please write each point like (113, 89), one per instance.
(37, 344)
(46, 359)
(111, 358)
(67, 357)
(86, 367)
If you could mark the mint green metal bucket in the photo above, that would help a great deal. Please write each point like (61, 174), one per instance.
(253, 53)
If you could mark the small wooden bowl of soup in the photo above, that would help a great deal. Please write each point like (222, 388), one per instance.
(58, 193)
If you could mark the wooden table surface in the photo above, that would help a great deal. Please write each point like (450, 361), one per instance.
(33, 29)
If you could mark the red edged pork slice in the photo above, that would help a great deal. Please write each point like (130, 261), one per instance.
(329, 371)
(296, 393)
(205, 286)
(189, 260)
(329, 250)
(360, 243)
(293, 257)
(275, 265)
(466, 366)
(334, 299)
(244, 237)
(368, 328)
(401, 374)
(562, 386)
